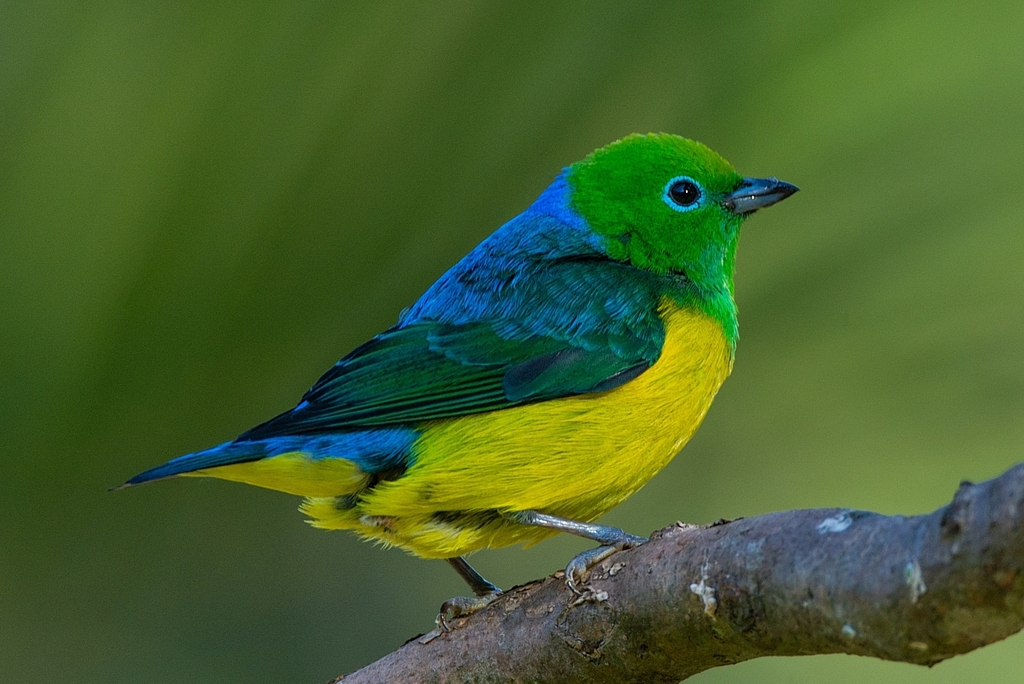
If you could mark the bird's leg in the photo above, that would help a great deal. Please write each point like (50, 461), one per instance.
(465, 605)
(611, 539)
(476, 581)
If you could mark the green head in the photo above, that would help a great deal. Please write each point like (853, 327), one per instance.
(666, 204)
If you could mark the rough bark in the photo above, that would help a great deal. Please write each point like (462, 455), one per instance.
(912, 589)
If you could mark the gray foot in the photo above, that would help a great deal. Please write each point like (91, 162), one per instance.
(457, 607)
(461, 606)
(612, 539)
(577, 572)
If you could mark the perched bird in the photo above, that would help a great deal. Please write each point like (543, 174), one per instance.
(541, 381)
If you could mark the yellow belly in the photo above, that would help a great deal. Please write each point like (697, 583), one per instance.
(575, 457)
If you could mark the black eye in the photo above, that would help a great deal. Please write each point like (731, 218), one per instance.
(682, 194)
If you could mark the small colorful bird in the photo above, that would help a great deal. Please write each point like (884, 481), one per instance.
(540, 382)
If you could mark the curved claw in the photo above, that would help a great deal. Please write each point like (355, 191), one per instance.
(577, 572)
(461, 606)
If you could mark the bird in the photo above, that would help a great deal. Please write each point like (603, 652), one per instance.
(542, 380)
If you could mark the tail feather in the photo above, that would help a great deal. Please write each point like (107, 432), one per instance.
(314, 465)
(228, 453)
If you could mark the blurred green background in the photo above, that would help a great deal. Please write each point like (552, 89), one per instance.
(202, 206)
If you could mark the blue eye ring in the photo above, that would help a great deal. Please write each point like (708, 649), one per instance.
(682, 194)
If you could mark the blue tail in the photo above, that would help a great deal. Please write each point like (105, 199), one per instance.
(223, 454)
(372, 451)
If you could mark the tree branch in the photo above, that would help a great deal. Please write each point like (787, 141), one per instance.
(916, 590)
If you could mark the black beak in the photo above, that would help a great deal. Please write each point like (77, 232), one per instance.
(757, 193)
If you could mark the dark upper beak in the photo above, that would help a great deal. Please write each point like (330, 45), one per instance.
(757, 193)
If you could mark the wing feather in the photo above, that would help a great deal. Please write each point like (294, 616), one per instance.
(565, 329)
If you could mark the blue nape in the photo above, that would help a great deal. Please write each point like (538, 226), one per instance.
(374, 451)
(548, 230)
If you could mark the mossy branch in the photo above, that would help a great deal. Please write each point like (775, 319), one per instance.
(910, 589)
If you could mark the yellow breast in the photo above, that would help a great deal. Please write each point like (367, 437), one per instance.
(575, 457)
